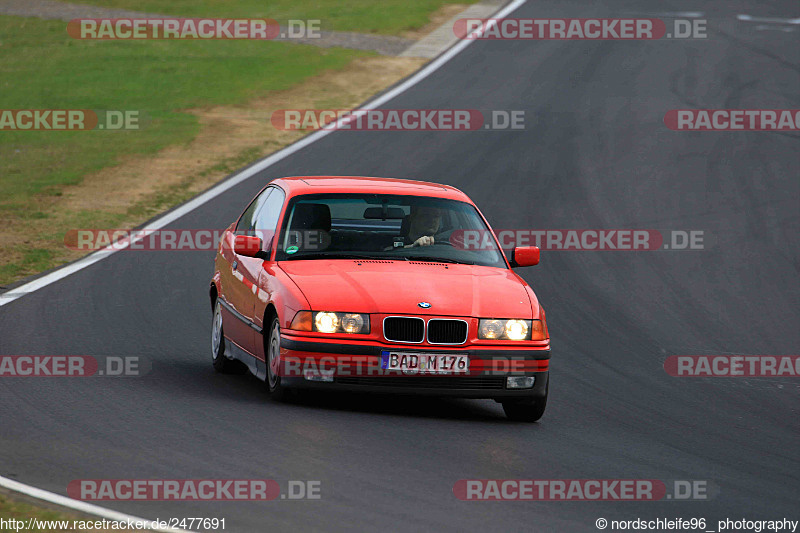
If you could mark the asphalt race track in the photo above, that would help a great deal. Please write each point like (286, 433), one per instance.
(595, 153)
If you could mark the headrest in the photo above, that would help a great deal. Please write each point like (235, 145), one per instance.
(311, 217)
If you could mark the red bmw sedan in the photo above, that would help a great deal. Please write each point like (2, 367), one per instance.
(378, 285)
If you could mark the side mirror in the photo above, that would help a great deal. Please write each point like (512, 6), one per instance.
(247, 246)
(524, 256)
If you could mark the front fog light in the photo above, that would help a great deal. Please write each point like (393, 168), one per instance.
(326, 322)
(520, 382)
(314, 375)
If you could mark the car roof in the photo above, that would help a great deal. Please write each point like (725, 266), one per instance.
(299, 185)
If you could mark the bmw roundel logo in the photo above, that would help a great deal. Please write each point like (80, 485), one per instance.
(424, 305)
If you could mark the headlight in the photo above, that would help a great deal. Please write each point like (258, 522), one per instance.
(514, 329)
(328, 322)
(352, 323)
(491, 329)
(517, 330)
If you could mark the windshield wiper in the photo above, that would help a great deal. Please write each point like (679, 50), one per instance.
(438, 260)
(336, 255)
(345, 255)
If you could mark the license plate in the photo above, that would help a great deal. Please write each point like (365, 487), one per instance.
(424, 363)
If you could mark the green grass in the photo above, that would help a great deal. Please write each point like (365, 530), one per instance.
(33, 260)
(19, 510)
(42, 68)
(365, 16)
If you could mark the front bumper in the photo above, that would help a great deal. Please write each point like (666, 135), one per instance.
(498, 364)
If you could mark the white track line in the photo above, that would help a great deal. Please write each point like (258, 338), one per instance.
(191, 205)
(433, 66)
(78, 505)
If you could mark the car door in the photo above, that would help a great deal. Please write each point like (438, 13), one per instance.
(239, 278)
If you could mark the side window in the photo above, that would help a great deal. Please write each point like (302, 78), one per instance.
(266, 219)
(247, 223)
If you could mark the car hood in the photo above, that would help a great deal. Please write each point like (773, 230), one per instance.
(396, 287)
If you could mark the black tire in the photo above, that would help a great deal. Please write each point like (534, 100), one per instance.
(272, 348)
(222, 363)
(528, 410)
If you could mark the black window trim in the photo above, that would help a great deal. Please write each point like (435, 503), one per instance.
(289, 202)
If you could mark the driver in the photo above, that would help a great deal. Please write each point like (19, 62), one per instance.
(423, 223)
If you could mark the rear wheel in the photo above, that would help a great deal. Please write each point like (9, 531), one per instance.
(276, 390)
(528, 410)
(222, 363)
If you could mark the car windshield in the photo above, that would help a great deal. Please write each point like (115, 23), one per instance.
(372, 226)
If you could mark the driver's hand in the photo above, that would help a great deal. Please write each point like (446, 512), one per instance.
(425, 240)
